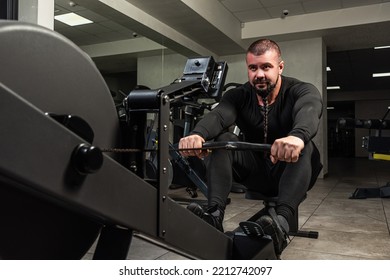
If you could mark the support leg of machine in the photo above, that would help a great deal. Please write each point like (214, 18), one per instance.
(113, 243)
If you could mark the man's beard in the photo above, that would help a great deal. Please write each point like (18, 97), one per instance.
(264, 92)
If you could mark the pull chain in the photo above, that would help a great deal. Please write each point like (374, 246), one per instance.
(265, 124)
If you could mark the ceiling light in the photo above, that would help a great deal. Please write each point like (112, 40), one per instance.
(377, 75)
(333, 87)
(72, 19)
(328, 68)
(382, 47)
(330, 108)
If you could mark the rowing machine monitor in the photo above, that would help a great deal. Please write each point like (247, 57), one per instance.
(211, 75)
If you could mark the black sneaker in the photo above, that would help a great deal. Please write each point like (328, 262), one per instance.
(278, 235)
(211, 214)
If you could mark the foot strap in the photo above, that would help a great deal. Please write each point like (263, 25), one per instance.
(252, 229)
(275, 218)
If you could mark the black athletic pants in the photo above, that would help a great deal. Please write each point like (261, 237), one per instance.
(288, 181)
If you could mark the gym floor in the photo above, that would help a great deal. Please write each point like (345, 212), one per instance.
(349, 229)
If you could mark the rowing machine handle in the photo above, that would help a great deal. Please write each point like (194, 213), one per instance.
(237, 145)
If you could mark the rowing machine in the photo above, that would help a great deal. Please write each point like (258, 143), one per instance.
(48, 187)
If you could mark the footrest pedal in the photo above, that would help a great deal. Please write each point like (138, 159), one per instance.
(251, 229)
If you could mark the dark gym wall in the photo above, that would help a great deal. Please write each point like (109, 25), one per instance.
(120, 82)
(9, 9)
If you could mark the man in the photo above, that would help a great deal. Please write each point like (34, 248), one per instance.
(269, 108)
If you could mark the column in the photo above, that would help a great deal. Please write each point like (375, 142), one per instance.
(40, 12)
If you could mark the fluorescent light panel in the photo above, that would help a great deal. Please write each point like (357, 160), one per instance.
(333, 87)
(73, 19)
(382, 47)
(378, 75)
(328, 69)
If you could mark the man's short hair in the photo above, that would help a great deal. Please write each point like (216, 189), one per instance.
(260, 46)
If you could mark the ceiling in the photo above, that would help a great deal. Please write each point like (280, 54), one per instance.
(126, 29)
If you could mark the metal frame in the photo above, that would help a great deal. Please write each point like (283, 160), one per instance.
(113, 195)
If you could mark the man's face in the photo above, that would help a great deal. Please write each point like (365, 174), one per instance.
(264, 71)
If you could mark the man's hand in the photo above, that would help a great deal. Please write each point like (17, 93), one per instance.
(190, 142)
(287, 149)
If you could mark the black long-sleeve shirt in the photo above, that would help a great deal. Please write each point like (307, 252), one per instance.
(296, 111)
